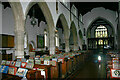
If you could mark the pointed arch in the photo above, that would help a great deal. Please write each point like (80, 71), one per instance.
(18, 14)
(31, 45)
(80, 39)
(80, 34)
(89, 27)
(49, 19)
(46, 12)
(73, 31)
(64, 23)
(66, 31)
(19, 28)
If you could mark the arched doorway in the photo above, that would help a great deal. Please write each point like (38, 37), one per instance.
(100, 35)
(31, 46)
(63, 33)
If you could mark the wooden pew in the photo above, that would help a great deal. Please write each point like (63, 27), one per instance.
(10, 77)
(47, 69)
(34, 74)
(55, 71)
(64, 68)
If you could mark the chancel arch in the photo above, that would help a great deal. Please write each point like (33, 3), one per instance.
(100, 34)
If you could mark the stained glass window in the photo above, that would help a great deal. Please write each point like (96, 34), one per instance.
(101, 31)
(100, 42)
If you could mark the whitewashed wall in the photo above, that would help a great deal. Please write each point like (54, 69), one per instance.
(32, 32)
(7, 21)
(8, 25)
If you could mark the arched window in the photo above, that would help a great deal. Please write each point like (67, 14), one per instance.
(101, 31)
(74, 12)
(100, 42)
(25, 40)
(45, 37)
(56, 6)
(56, 39)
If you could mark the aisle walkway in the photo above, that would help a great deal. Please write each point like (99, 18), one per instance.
(90, 70)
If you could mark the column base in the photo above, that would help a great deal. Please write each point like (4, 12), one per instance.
(19, 54)
(52, 51)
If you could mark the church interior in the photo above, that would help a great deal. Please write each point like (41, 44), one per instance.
(59, 39)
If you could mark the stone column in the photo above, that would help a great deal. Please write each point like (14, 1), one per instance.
(19, 52)
(75, 40)
(19, 28)
(67, 49)
(19, 36)
(66, 38)
(52, 40)
(75, 46)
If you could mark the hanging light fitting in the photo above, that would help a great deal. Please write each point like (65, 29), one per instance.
(33, 21)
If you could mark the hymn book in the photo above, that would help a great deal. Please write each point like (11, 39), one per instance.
(18, 64)
(30, 65)
(4, 69)
(12, 70)
(21, 72)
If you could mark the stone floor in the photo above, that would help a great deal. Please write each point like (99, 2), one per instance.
(91, 70)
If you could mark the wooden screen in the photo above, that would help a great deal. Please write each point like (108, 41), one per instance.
(7, 41)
